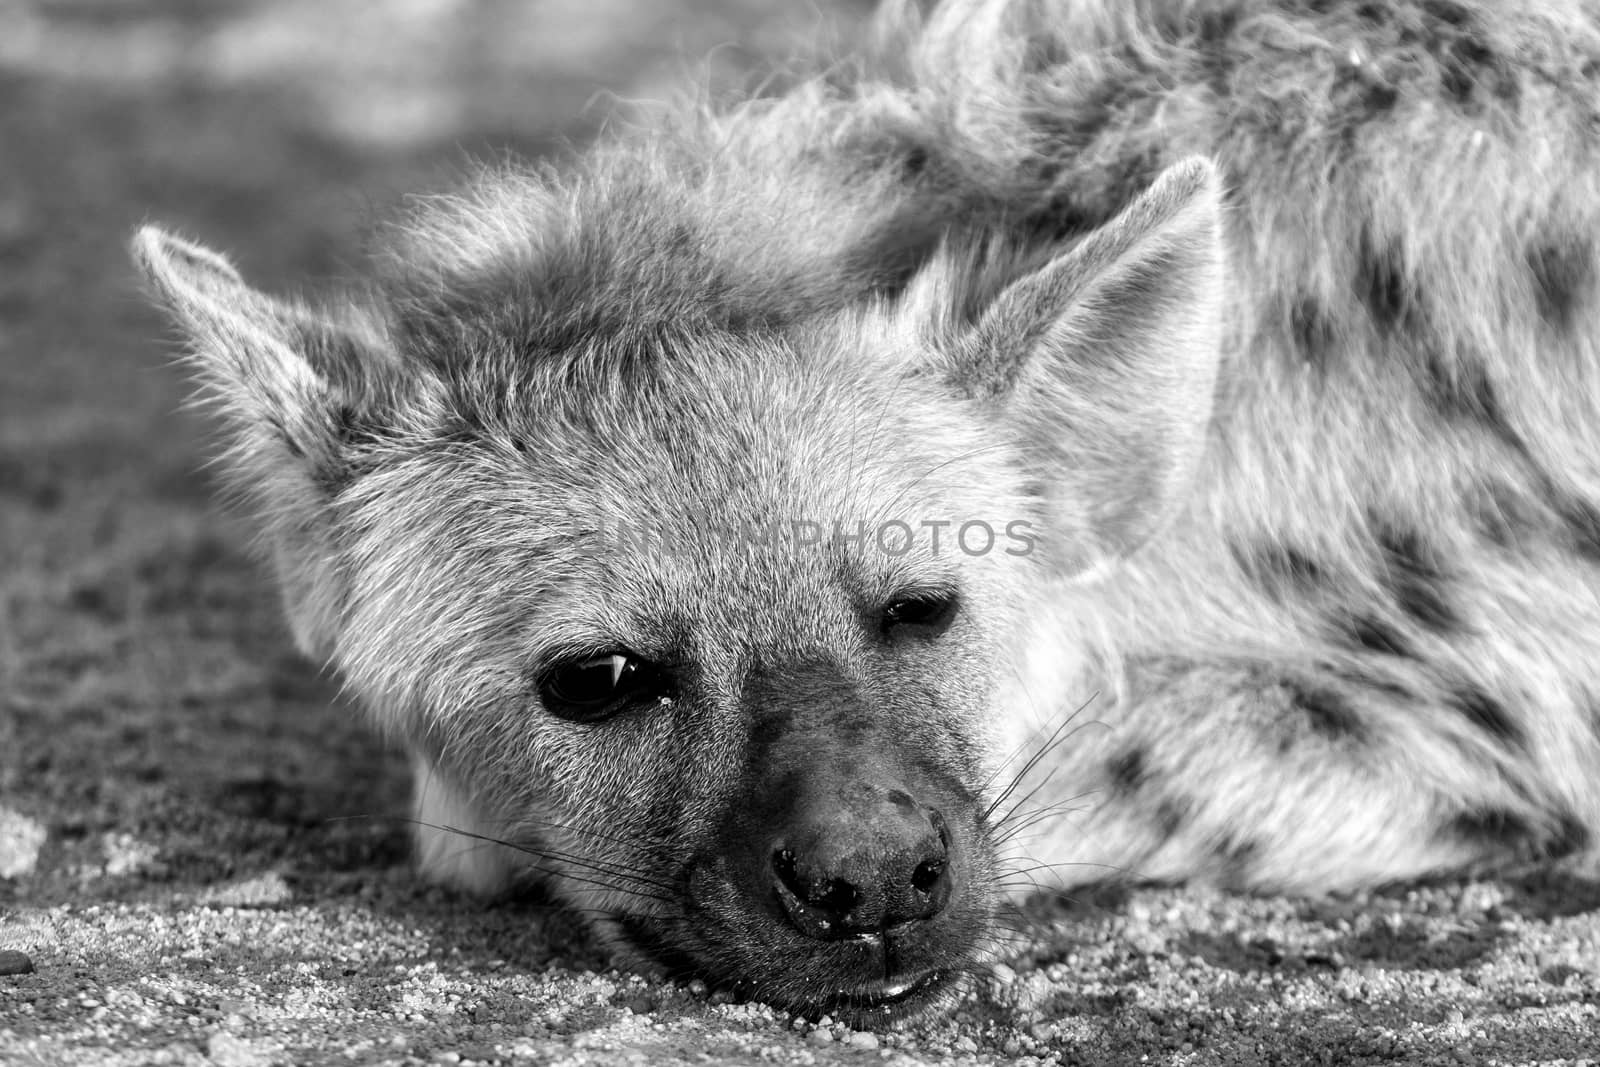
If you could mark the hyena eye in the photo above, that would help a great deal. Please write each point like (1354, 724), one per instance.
(925, 614)
(597, 687)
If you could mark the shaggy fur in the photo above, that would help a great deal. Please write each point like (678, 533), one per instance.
(1308, 435)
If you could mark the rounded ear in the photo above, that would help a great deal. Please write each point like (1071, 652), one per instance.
(1103, 363)
(291, 385)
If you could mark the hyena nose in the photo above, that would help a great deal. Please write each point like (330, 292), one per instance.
(863, 866)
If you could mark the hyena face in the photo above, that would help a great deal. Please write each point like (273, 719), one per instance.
(777, 784)
(719, 628)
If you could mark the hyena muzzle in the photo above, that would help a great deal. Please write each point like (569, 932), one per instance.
(732, 523)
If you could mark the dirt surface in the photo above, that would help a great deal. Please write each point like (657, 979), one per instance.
(199, 860)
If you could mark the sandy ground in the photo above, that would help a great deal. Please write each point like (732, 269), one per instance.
(198, 855)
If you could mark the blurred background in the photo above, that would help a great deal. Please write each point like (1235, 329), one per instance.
(155, 724)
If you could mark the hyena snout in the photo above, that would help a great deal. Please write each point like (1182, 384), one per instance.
(867, 859)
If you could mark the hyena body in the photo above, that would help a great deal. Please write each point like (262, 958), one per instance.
(1304, 437)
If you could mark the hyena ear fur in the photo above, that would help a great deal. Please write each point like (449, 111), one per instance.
(291, 385)
(1104, 363)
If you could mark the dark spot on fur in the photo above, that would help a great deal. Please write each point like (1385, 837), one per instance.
(1461, 390)
(1312, 329)
(1327, 711)
(1384, 284)
(1281, 570)
(1447, 11)
(1467, 63)
(1376, 635)
(1502, 515)
(1416, 578)
(1379, 96)
(1496, 827)
(1236, 854)
(1171, 817)
(1582, 521)
(1216, 26)
(1213, 32)
(1571, 836)
(1127, 773)
(346, 423)
(1293, 566)
(1563, 278)
(1458, 76)
(1362, 681)
(1488, 715)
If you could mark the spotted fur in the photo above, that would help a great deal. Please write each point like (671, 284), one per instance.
(1274, 320)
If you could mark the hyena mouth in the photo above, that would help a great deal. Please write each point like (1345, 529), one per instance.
(792, 981)
(887, 1000)
(864, 897)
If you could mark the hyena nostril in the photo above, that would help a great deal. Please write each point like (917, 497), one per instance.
(829, 902)
(931, 884)
(842, 875)
(927, 876)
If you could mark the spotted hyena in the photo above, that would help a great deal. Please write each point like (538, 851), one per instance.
(1242, 352)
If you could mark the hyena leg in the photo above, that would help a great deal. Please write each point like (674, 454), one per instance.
(1264, 779)
(454, 840)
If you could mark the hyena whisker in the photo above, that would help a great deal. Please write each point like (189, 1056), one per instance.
(629, 881)
(1025, 873)
(1023, 801)
(1010, 945)
(632, 841)
(1065, 730)
(623, 878)
(1120, 872)
(1022, 814)
(1013, 831)
(1018, 930)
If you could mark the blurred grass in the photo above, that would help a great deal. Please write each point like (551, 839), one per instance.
(147, 684)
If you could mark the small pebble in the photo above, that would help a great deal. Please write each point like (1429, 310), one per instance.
(863, 1039)
(820, 1036)
(12, 962)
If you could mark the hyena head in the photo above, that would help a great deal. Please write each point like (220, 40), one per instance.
(713, 608)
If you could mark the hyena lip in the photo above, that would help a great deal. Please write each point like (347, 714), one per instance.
(864, 1003)
(883, 1001)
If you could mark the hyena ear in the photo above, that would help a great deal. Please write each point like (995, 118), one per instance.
(1104, 363)
(286, 377)
(291, 386)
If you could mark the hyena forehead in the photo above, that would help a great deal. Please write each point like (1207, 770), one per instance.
(603, 320)
(807, 470)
